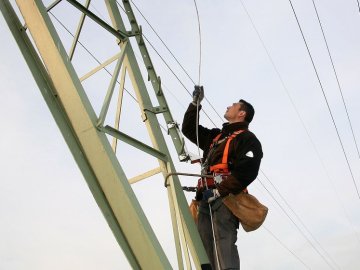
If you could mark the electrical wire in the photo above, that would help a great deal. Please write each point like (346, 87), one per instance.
(182, 84)
(185, 72)
(173, 55)
(168, 66)
(163, 42)
(298, 217)
(300, 118)
(284, 246)
(327, 103)
(336, 76)
(358, 3)
(296, 226)
(93, 56)
(197, 134)
(174, 74)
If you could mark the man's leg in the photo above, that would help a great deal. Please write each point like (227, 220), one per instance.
(225, 226)
(205, 231)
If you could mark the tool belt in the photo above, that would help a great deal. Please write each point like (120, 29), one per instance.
(211, 182)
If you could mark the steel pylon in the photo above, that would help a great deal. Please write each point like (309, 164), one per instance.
(87, 136)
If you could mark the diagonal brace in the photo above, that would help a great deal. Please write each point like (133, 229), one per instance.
(119, 34)
(137, 144)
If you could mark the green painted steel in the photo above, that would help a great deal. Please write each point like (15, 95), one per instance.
(173, 128)
(178, 199)
(119, 34)
(131, 141)
(91, 149)
(78, 31)
(85, 135)
(49, 94)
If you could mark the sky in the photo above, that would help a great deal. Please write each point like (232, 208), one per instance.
(252, 50)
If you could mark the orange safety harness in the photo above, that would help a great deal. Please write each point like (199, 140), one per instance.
(220, 168)
(223, 167)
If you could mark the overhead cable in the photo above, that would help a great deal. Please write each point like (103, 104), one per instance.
(336, 76)
(336, 191)
(163, 42)
(168, 66)
(327, 103)
(173, 55)
(298, 217)
(284, 246)
(296, 226)
(93, 56)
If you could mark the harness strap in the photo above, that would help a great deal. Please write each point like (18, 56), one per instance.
(223, 166)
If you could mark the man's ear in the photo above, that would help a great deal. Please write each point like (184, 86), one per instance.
(242, 114)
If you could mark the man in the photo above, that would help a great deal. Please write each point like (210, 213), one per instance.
(233, 155)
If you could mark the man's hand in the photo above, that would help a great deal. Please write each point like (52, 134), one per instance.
(210, 195)
(198, 94)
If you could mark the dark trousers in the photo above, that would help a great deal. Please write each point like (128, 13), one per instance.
(225, 229)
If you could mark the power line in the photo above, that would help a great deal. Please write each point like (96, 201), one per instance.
(93, 56)
(336, 76)
(163, 42)
(173, 55)
(199, 84)
(168, 66)
(327, 103)
(296, 226)
(298, 217)
(299, 117)
(284, 246)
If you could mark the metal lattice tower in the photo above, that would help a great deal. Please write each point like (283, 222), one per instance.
(87, 136)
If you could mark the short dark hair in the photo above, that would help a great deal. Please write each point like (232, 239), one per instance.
(249, 109)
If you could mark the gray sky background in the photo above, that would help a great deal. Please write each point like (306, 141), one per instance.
(48, 217)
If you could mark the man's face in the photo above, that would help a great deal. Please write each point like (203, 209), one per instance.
(232, 112)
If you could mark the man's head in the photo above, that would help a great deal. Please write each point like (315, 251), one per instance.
(241, 111)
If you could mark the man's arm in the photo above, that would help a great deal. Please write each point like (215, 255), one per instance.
(189, 128)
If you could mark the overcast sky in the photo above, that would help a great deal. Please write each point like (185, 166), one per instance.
(48, 217)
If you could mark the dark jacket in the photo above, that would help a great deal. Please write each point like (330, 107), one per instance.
(245, 151)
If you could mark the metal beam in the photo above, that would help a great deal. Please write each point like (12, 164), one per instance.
(49, 94)
(137, 144)
(107, 62)
(145, 175)
(119, 105)
(119, 34)
(173, 128)
(111, 87)
(184, 217)
(144, 252)
(78, 31)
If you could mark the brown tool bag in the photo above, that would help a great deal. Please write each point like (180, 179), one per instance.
(250, 212)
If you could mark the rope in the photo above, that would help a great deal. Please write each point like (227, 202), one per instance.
(198, 18)
(197, 139)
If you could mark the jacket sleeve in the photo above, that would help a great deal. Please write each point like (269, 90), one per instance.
(244, 164)
(189, 129)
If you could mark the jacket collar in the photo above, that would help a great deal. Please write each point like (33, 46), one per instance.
(230, 128)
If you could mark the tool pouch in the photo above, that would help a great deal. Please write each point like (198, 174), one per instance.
(250, 212)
